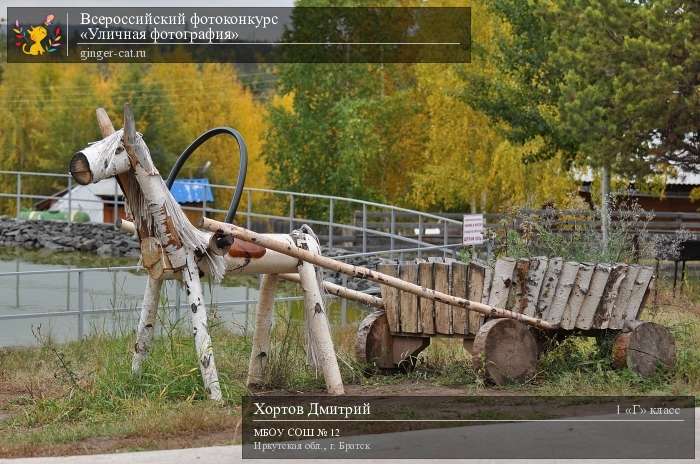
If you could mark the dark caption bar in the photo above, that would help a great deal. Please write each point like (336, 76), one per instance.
(239, 35)
(468, 427)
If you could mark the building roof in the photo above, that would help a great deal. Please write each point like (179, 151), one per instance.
(183, 190)
(681, 178)
(192, 191)
(105, 187)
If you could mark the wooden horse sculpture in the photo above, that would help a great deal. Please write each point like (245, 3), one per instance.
(172, 248)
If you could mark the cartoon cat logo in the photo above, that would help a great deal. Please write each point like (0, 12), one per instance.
(37, 40)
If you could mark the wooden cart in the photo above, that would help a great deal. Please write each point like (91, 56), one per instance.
(579, 298)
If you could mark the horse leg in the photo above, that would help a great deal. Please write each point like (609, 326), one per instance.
(260, 352)
(202, 341)
(319, 334)
(144, 333)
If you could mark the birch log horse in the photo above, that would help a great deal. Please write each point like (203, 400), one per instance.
(172, 248)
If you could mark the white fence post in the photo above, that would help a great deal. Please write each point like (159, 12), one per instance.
(81, 302)
(291, 213)
(177, 301)
(249, 210)
(364, 227)
(116, 206)
(444, 240)
(70, 199)
(19, 193)
(330, 225)
(420, 234)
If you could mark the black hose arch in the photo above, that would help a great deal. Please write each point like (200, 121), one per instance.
(243, 167)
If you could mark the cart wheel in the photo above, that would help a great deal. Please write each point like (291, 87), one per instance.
(376, 346)
(505, 351)
(644, 347)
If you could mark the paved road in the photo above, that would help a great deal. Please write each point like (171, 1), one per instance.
(439, 440)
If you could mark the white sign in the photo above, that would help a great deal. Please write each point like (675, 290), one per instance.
(473, 229)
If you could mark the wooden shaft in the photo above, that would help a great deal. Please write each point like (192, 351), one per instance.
(343, 292)
(126, 226)
(144, 333)
(374, 276)
(202, 340)
(320, 349)
(333, 289)
(260, 352)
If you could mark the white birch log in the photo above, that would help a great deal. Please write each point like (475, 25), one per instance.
(260, 352)
(365, 273)
(342, 292)
(565, 285)
(502, 282)
(100, 160)
(578, 295)
(144, 332)
(155, 212)
(549, 287)
(319, 336)
(623, 297)
(271, 262)
(594, 296)
(202, 341)
(601, 320)
(159, 215)
(639, 293)
(535, 279)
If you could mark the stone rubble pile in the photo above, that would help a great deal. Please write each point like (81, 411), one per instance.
(105, 240)
(102, 239)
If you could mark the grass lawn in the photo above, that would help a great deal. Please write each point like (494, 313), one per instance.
(80, 397)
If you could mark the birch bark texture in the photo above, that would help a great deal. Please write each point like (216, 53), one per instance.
(260, 352)
(202, 340)
(365, 273)
(320, 343)
(144, 331)
(167, 236)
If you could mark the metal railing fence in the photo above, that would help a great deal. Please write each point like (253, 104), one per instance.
(264, 211)
(81, 310)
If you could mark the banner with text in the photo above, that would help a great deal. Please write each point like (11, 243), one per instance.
(468, 427)
(239, 35)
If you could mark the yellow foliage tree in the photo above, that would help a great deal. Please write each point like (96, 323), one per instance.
(204, 96)
(467, 163)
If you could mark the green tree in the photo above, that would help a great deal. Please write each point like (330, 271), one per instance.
(155, 115)
(307, 145)
(611, 83)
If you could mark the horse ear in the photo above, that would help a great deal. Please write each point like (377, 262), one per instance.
(129, 125)
(103, 121)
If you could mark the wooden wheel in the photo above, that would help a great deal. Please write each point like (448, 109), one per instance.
(505, 350)
(644, 348)
(377, 346)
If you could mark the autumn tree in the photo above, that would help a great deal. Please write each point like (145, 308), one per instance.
(610, 84)
(45, 120)
(469, 165)
(401, 134)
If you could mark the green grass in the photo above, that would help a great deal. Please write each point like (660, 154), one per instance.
(63, 396)
(60, 394)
